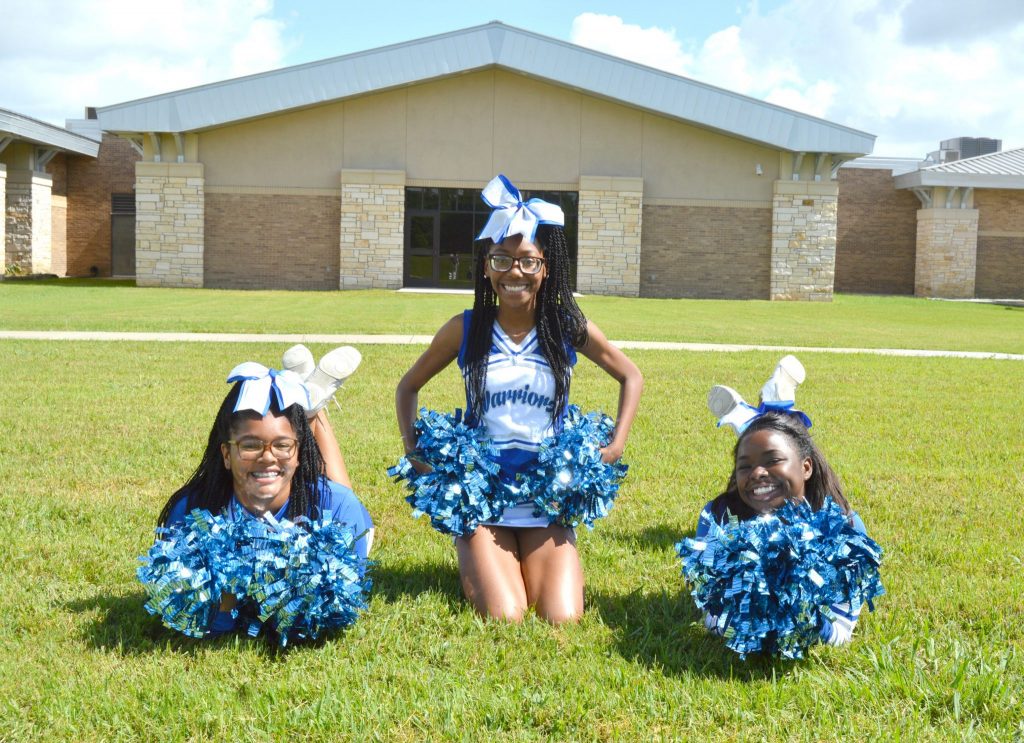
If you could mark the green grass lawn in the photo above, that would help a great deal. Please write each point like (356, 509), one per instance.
(851, 321)
(97, 435)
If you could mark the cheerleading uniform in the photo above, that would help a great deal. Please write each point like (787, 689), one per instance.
(837, 631)
(517, 407)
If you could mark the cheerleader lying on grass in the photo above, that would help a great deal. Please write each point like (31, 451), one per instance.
(512, 483)
(779, 560)
(267, 531)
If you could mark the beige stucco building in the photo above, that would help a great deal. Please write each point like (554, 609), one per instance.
(364, 171)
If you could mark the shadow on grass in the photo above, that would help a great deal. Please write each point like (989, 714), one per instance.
(666, 631)
(123, 626)
(653, 538)
(395, 583)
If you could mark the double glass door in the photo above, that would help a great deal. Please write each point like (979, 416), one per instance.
(441, 225)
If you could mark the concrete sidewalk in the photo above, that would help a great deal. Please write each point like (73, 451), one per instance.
(366, 340)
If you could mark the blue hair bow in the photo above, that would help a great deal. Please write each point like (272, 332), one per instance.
(511, 215)
(259, 382)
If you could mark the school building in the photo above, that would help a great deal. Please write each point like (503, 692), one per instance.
(364, 171)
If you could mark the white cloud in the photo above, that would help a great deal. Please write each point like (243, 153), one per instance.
(654, 47)
(58, 57)
(869, 64)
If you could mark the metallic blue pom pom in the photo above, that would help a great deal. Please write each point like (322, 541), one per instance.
(189, 567)
(307, 578)
(570, 484)
(770, 580)
(464, 488)
(302, 579)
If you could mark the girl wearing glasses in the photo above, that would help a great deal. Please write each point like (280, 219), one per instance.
(516, 349)
(264, 456)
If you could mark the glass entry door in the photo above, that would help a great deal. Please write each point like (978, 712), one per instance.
(422, 236)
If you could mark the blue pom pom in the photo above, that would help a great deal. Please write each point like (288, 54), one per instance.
(570, 484)
(187, 570)
(301, 580)
(307, 579)
(770, 580)
(463, 489)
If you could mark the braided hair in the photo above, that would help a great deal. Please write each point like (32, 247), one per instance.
(211, 485)
(558, 319)
(823, 481)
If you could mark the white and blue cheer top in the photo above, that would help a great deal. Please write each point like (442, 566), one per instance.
(516, 411)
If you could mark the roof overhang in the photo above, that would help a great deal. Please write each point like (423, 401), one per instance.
(45, 135)
(491, 45)
(927, 178)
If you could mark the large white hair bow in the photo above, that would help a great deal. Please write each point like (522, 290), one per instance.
(259, 382)
(511, 216)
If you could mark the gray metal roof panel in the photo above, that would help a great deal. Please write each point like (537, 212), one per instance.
(995, 170)
(493, 44)
(46, 135)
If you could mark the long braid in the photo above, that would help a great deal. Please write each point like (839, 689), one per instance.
(558, 320)
(211, 486)
(478, 345)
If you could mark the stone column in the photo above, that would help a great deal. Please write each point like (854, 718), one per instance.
(3, 219)
(372, 229)
(947, 253)
(608, 256)
(803, 263)
(27, 245)
(169, 224)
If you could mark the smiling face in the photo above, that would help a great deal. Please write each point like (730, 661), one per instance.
(514, 288)
(262, 484)
(770, 470)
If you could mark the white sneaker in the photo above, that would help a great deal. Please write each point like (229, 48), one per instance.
(730, 408)
(298, 359)
(334, 368)
(781, 386)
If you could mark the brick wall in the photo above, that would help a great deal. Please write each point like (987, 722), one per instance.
(1000, 210)
(1000, 269)
(706, 252)
(90, 182)
(876, 235)
(271, 241)
(58, 234)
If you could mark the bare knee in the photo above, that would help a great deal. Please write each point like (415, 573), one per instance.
(559, 612)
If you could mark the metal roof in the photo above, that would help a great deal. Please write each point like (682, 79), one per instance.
(491, 45)
(995, 170)
(45, 135)
(898, 165)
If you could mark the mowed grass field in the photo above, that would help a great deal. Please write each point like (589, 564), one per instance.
(95, 437)
(850, 320)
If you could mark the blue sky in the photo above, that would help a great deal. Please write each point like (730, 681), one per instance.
(899, 69)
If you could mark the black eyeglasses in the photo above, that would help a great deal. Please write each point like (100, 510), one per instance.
(501, 263)
(252, 448)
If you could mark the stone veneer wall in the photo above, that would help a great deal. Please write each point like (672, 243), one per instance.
(372, 235)
(169, 224)
(27, 215)
(803, 259)
(947, 251)
(271, 240)
(706, 252)
(3, 219)
(59, 234)
(876, 233)
(609, 236)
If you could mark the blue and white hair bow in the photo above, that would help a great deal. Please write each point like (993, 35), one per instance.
(513, 216)
(259, 382)
(786, 406)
